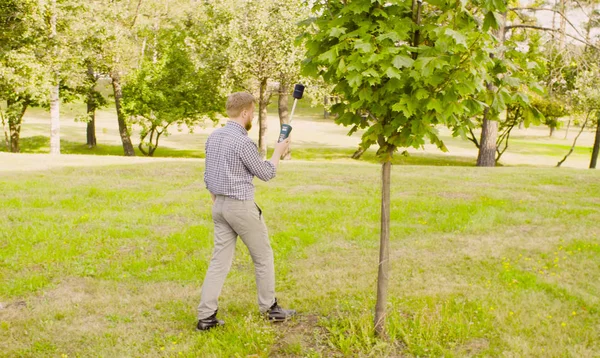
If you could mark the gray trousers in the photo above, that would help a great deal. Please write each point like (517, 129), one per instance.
(233, 218)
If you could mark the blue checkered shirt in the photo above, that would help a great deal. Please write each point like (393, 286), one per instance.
(232, 161)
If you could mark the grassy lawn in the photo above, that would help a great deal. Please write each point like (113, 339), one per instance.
(108, 262)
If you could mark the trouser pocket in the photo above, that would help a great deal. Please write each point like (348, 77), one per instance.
(259, 210)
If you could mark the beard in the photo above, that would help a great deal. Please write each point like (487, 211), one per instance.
(249, 126)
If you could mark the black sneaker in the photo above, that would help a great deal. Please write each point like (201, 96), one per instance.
(207, 323)
(278, 314)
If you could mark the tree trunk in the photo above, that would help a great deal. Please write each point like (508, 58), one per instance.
(263, 101)
(15, 118)
(384, 251)
(596, 149)
(284, 114)
(552, 131)
(489, 128)
(54, 120)
(91, 124)
(568, 126)
(15, 132)
(5, 130)
(563, 24)
(54, 93)
(487, 146)
(91, 108)
(116, 83)
(359, 152)
(325, 105)
(575, 141)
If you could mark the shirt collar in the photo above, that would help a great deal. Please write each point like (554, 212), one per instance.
(238, 127)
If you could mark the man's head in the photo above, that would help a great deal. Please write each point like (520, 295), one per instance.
(240, 108)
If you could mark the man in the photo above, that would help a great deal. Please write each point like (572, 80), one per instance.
(232, 161)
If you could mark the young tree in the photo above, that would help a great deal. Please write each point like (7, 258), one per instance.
(171, 89)
(262, 49)
(401, 69)
(111, 49)
(515, 74)
(23, 78)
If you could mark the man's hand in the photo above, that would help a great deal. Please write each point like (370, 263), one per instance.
(213, 197)
(280, 148)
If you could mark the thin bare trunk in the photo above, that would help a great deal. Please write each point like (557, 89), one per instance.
(568, 127)
(5, 130)
(91, 109)
(263, 101)
(384, 250)
(359, 152)
(284, 116)
(563, 25)
(596, 148)
(575, 141)
(91, 125)
(123, 131)
(54, 93)
(54, 120)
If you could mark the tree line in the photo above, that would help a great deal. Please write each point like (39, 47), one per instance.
(171, 63)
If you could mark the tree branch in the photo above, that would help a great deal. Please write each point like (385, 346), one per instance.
(137, 11)
(473, 138)
(583, 10)
(534, 27)
(575, 141)
(516, 9)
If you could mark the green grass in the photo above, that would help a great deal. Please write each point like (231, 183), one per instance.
(108, 261)
(41, 144)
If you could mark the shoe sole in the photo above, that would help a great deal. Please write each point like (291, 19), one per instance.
(209, 328)
(277, 320)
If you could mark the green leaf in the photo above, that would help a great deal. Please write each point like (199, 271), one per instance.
(401, 61)
(363, 46)
(337, 31)
(354, 79)
(512, 81)
(434, 105)
(490, 21)
(388, 35)
(370, 73)
(459, 38)
(393, 73)
(329, 56)
(342, 65)
(421, 94)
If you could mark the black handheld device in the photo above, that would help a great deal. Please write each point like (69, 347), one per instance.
(286, 129)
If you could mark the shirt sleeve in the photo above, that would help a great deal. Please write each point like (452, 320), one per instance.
(205, 155)
(262, 169)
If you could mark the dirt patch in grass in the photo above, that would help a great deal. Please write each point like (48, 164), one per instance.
(301, 335)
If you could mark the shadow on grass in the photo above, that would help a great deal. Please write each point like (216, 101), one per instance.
(399, 159)
(41, 144)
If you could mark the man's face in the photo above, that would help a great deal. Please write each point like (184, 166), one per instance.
(249, 116)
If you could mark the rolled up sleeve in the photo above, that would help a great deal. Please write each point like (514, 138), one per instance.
(262, 169)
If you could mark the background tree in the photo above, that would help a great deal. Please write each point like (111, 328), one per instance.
(171, 89)
(514, 78)
(23, 78)
(262, 50)
(401, 70)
